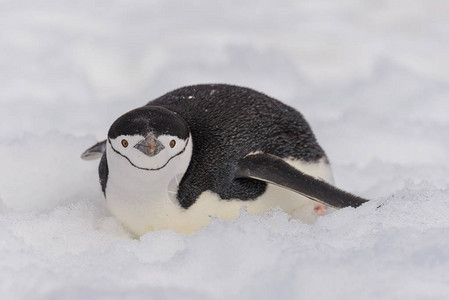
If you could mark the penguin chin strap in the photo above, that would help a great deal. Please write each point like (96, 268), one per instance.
(274, 170)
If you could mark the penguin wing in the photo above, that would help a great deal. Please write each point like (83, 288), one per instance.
(94, 152)
(272, 169)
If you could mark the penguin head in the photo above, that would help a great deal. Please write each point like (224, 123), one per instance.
(149, 138)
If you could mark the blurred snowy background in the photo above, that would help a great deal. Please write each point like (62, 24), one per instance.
(371, 77)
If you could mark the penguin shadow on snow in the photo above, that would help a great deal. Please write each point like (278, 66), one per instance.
(207, 150)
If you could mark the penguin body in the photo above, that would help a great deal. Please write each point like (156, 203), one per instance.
(208, 150)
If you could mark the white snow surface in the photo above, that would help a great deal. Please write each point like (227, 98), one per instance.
(371, 77)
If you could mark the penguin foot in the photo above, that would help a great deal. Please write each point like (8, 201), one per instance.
(320, 209)
(310, 212)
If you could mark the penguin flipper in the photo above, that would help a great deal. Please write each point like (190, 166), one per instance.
(94, 152)
(272, 169)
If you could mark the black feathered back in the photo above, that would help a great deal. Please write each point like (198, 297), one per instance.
(227, 123)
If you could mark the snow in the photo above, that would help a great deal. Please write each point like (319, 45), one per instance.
(370, 77)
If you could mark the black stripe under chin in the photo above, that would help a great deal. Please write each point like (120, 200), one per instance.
(146, 168)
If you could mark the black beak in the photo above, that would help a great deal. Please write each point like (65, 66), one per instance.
(150, 146)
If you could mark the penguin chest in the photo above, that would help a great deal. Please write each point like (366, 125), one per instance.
(143, 207)
(146, 207)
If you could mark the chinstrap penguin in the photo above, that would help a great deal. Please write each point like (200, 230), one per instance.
(207, 150)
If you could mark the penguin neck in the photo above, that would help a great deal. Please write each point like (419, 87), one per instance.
(132, 184)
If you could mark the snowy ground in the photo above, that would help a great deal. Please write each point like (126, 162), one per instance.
(371, 77)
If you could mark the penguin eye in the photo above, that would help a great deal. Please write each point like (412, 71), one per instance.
(172, 143)
(125, 143)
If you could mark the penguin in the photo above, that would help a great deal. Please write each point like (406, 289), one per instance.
(208, 150)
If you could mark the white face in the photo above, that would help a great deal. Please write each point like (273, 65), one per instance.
(150, 152)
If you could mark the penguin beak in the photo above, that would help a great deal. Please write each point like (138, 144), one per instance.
(149, 146)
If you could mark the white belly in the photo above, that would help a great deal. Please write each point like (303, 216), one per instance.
(141, 212)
